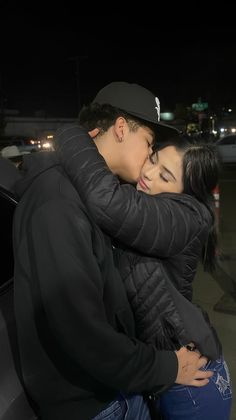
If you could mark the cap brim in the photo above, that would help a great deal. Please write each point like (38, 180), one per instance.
(166, 131)
(163, 130)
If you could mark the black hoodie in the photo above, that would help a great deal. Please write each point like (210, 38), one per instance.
(75, 326)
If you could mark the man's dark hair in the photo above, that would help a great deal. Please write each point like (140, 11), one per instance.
(104, 116)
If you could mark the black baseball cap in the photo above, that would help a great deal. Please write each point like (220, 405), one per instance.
(137, 101)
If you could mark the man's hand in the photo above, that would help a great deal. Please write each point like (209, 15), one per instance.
(189, 372)
(93, 133)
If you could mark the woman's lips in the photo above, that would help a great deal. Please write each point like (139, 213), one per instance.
(142, 184)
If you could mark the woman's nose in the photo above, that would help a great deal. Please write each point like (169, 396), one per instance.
(149, 170)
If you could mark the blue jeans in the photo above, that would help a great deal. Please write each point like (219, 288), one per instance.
(211, 402)
(132, 407)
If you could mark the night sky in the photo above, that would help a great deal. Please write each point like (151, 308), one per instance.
(52, 63)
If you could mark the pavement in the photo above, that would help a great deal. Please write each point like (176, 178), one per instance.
(225, 274)
(217, 293)
(207, 292)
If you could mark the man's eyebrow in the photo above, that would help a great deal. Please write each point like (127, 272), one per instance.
(169, 172)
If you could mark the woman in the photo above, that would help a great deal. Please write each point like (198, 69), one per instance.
(170, 220)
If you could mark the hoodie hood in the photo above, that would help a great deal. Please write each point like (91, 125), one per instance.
(34, 165)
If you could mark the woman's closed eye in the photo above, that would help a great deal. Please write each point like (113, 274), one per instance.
(153, 158)
(164, 178)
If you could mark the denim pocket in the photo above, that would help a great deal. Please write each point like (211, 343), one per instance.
(221, 377)
(113, 411)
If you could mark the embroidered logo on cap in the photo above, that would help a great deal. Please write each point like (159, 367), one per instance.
(157, 108)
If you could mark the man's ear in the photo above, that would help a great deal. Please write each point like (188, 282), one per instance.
(93, 133)
(119, 128)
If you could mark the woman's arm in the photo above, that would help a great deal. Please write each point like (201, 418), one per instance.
(157, 225)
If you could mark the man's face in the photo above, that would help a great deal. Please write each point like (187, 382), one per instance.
(136, 147)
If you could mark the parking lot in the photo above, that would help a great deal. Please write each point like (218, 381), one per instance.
(217, 292)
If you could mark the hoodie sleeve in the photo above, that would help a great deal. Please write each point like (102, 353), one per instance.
(158, 225)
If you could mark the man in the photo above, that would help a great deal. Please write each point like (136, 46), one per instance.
(79, 355)
(10, 159)
(14, 154)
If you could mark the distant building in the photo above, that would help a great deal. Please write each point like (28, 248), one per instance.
(36, 127)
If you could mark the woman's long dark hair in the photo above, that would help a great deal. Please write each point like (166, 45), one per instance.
(201, 167)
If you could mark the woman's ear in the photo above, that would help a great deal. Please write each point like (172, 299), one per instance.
(93, 133)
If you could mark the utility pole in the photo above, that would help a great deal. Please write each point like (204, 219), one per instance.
(77, 60)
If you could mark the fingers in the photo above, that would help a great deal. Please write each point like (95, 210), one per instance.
(93, 133)
(203, 374)
(202, 362)
(201, 378)
(190, 365)
(199, 383)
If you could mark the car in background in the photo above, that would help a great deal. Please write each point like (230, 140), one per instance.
(14, 403)
(227, 148)
(47, 143)
(24, 143)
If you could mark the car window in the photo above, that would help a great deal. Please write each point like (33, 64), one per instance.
(17, 142)
(229, 140)
(7, 205)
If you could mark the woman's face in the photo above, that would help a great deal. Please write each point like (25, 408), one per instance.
(162, 172)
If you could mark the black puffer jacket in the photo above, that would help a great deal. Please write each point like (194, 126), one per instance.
(169, 229)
